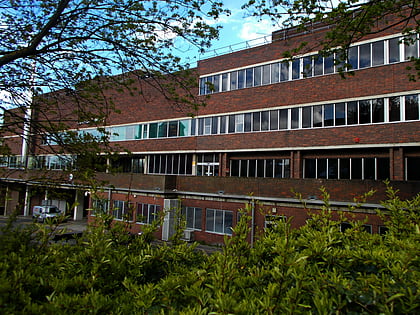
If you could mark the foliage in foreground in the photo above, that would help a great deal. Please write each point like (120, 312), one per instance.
(312, 270)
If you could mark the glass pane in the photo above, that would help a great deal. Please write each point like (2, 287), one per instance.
(249, 77)
(210, 213)
(284, 75)
(340, 114)
(256, 121)
(283, 114)
(329, 64)
(318, 65)
(411, 107)
(197, 219)
(252, 168)
(332, 168)
(173, 129)
(225, 82)
(364, 56)
(257, 76)
(364, 112)
(310, 168)
(247, 122)
(295, 118)
(295, 69)
(233, 80)
(163, 130)
(306, 117)
(353, 58)
(260, 168)
(184, 127)
(317, 118)
(234, 168)
(266, 74)
(382, 168)
(344, 168)
(329, 115)
(394, 50)
(231, 128)
(307, 67)
(394, 109)
(413, 169)
(223, 124)
(410, 47)
(356, 168)
(352, 113)
(269, 168)
(244, 168)
(274, 120)
(218, 223)
(216, 83)
(241, 79)
(275, 72)
(322, 168)
(153, 130)
(214, 125)
(369, 168)
(378, 110)
(378, 53)
(265, 117)
(228, 222)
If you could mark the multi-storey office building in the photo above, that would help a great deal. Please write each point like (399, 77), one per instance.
(271, 126)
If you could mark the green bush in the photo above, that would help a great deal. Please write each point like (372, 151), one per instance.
(315, 269)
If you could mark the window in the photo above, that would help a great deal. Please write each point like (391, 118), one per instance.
(410, 47)
(394, 109)
(121, 210)
(208, 165)
(346, 168)
(411, 107)
(364, 56)
(192, 216)
(279, 168)
(147, 213)
(394, 50)
(100, 206)
(176, 164)
(364, 112)
(219, 221)
(412, 168)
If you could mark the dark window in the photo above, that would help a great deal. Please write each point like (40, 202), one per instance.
(231, 128)
(284, 75)
(310, 168)
(283, 118)
(307, 67)
(356, 168)
(233, 80)
(173, 129)
(153, 130)
(378, 110)
(364, 56)
(265, 120)
(244, 168)
(234, 168)
(274, 120)
(318, 65)
(225, 82)
(352, 113)
(394, 109)
(317, 116)
(306, 117)
(413, 169)
(251, 168)
(214, 125)
(378, 53)
(269, 166)
(329, 64)
(394, 50)
(340, 114)
(382, 168)
(364, 112)
(332, 168)
(257, 76)
(223, 124)
(295, 118)
(163, 130)
(344, 168)
(256, 121)
(411, 107)
(353, 58)
(241, 79)
(260, 168)
(329, 115)
(249, 77)
(275, 72)
(322, 168)
(295, 69)
(247, 122)
(369, 168)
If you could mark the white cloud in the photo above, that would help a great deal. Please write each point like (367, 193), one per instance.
(253, 29)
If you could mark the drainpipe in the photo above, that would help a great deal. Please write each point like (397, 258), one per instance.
(252, 222)
(26, 207)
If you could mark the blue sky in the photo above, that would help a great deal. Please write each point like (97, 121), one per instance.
(237, 29)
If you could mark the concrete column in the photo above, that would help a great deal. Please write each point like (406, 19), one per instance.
(26, 206)
(78, 208)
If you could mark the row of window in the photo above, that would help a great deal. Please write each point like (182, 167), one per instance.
(370, 111)
(372, 54)
(347, 168)
(217, 221)
(277, 168)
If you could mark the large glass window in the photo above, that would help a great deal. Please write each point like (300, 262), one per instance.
(192, 216)
(219, 221)
(411, 107)
(147, 213)
(279, 168)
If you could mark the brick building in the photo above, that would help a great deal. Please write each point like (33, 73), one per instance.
(271, 127)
